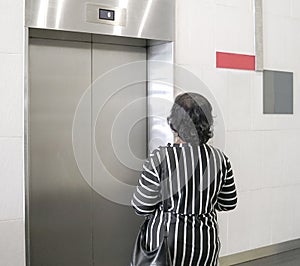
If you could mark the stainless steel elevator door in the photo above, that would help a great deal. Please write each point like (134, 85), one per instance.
(60, 224)
(120, 144)
(71, 224)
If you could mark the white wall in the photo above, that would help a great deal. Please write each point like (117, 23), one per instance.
(11, 134)
(264, 149)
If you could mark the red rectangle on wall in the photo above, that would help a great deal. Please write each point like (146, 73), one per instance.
(235, 61)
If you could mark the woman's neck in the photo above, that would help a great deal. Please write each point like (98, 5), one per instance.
(178, 140)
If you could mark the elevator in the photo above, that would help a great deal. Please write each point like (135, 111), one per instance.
(88, 123)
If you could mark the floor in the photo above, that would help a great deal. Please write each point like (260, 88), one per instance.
(290, 258)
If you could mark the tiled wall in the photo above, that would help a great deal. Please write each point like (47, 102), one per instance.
(11, 134)
(264, 149)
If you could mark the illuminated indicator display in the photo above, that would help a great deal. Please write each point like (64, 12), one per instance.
(106, 14)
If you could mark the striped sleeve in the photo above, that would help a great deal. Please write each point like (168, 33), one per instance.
(147, 193)
(227, 197)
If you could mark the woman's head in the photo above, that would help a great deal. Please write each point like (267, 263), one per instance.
(191, 118)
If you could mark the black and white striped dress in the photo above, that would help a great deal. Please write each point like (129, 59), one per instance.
(199, 181)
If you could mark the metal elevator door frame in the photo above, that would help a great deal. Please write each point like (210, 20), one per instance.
(68, 221)
(67, 27)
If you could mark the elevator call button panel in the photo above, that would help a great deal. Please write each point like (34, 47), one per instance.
(106, 14)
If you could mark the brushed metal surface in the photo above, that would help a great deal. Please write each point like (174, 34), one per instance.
(86, 37)
(160, 93)
(60, 35)
(60, 226)
(108, 39)
(26, 147)
(92, 15)
(148, 19)
(116, 137)
(69, 224)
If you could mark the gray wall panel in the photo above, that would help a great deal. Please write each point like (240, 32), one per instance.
(278, 95)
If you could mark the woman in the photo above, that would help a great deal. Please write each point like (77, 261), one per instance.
(199, 181)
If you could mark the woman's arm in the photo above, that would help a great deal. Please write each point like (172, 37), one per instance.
(147, 193)
(227, 197)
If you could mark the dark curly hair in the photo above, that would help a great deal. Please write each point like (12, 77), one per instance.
(191, 118)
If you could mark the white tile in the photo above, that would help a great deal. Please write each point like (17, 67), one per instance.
(277, 47)
(295, 8)
(277, 7)
(216, 81)
(203, 36)
(239, 225)
(293, 41)
(282, 214)
(245, 5)
(234, 30)
(239, 100)
(295, 209)
(12, 247)
(274, 122)
(195, 70)
(11, 178)
(273, 158)
(11, 26)
(244, 149)
(11, 95)
(195, 42)
(223, 231)
(183, 34)
(260, 218)
(291, 157)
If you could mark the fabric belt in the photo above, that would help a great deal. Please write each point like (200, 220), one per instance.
(203, 215)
